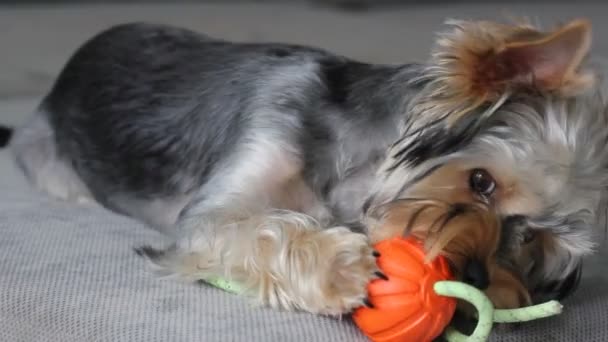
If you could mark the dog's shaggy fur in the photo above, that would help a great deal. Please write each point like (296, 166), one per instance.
(278, 165)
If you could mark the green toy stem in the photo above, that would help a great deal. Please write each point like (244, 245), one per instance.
(529, 313)
(486, 313)
(225, 285)
(478, 299)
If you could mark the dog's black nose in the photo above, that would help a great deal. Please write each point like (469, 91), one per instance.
(475, 273)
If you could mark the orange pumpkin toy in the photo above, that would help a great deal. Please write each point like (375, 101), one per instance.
(406, 307)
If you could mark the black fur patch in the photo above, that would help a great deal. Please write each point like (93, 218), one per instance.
(5, 135)
(476, 274)
(339, 76)
(335, 75)
(367, 204)
(436, 140)
(279, 52)
(570, 284)
(560, 290)
(149, 252)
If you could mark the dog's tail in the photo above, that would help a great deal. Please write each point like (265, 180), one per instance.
(5, 135)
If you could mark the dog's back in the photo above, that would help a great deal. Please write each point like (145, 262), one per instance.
(144, 111)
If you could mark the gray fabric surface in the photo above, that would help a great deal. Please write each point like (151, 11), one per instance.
(68, 273)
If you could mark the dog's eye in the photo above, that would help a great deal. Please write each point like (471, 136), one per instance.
(482, 182)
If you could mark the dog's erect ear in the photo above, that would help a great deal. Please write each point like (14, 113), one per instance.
(548, 63)
(479, 61)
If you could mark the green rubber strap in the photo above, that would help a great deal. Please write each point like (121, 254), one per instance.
(486, 312)
(480, 301)
(529, 313)
(225, 285)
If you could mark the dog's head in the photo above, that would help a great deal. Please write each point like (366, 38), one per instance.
(501, 165)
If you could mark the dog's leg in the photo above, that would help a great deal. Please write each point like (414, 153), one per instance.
(284, 259)
(243, 226)
(33, 146)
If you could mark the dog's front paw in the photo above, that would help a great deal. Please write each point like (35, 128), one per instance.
(350, 266)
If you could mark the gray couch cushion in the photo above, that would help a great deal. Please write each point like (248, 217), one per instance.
(68, 273)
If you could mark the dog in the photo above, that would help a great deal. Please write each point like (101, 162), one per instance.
(279, 166)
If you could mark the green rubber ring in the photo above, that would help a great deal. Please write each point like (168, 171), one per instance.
(486, 313)
(479, 300)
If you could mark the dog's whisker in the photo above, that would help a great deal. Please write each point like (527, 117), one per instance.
(414, 217)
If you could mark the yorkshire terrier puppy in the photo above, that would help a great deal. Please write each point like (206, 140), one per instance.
(278, 166)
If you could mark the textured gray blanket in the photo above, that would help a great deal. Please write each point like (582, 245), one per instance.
(68, 273)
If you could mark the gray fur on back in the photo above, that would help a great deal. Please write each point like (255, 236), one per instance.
(150, 111)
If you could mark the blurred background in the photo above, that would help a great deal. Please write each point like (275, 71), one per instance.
(37, 36)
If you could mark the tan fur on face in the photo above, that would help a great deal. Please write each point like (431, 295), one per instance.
(442, 212)
(506, 290)
(511, 195)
